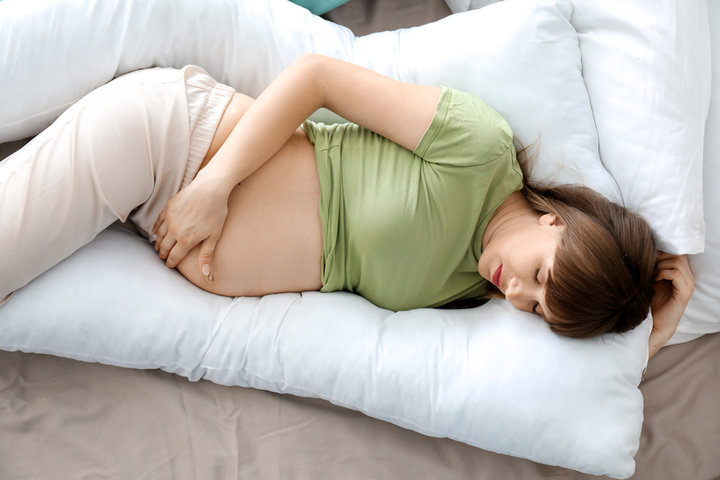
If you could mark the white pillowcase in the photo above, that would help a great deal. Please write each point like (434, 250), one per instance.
(702, 315)
(646, 64)
(519, 390)
(522, 59)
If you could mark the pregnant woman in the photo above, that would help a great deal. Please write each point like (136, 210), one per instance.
(419, 202)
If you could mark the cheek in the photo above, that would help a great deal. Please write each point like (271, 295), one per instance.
(483, 265)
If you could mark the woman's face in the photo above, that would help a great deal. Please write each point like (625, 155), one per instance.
(518, 259)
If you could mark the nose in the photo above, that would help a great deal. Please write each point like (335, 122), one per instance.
(520, 294)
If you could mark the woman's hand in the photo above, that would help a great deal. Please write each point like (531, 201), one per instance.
(675, 284)
(195, 216)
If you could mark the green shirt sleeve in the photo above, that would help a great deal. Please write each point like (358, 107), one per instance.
(464, 132)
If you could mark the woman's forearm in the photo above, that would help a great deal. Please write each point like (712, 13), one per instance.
(267, 125)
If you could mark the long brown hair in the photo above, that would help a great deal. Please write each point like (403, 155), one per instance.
(604, 269)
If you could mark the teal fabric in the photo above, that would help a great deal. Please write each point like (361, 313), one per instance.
(404, 229)
(318, 7)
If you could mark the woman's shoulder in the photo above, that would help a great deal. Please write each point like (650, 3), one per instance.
(465, 130)
(478, 115)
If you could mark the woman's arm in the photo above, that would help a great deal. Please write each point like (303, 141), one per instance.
(399, 111)
(675, 285)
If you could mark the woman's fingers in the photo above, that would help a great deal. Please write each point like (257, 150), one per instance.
(172, 249)
(194, 215)
(160, 232)
(179, 251)
(676, 269)
(160, 220)
(680, 283)
(678, 263)
(673, 289)
(167, 244)
(205, 258)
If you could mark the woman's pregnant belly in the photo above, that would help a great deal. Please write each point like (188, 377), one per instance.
(272, 238)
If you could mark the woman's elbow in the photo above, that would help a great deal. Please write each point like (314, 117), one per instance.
(312, 71)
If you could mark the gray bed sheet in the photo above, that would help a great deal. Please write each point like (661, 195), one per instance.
(63, 419)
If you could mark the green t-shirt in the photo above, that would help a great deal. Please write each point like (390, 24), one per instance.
(404, 229)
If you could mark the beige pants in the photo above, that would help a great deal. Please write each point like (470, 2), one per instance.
(121, 152)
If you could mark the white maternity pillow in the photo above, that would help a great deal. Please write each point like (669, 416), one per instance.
(492, 376)
(646, 64)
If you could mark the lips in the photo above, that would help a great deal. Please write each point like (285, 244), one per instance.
(497, 276)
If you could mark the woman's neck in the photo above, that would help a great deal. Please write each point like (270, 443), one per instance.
(513, 211)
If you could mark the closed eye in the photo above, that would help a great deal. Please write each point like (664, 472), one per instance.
(537, 304)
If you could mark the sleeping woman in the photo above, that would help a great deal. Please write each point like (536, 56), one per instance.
(419, 202)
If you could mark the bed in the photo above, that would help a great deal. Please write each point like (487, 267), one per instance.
(63, 418)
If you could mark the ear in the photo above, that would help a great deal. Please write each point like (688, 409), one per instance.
(550, 219)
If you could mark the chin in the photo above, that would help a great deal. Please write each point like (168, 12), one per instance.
(493, 291)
